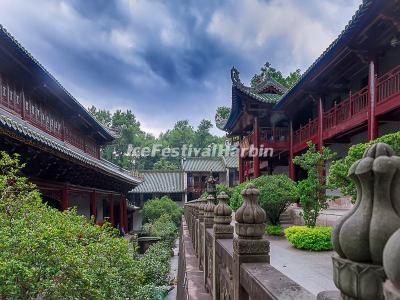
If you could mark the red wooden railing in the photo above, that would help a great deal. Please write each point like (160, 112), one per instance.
(388, 85)
(13, 99)
(306, 132)
(346, 109)
(272, 134)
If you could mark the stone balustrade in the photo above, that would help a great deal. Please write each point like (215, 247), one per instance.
(225, 259)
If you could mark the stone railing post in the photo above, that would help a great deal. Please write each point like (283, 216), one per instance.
(360, 237)
(222, 230)
(391, 264)
(208, 223)
(250, 244)
(200, 232)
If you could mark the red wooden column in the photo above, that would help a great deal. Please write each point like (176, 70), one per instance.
(125, 214)
(65, 198)
(292, 173)
(256, 144)
(320, 124)
(241, 167)
(93, 210)
(372, 123)
(111, 209)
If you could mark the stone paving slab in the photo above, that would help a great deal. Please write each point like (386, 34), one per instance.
(312, 270)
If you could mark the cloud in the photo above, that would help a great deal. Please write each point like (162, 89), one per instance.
(170, 60)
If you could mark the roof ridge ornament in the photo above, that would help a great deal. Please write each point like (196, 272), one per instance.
(235, 76)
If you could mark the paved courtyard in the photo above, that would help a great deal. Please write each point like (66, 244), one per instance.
(312, 270)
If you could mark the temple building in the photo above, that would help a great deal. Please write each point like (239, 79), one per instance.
(187, 183)
(59, 140)
(350, 94)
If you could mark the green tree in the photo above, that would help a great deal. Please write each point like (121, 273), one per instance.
(268, 71)
(339, 169)
(313, 189)
(163, 164)
(48, 254)
(101, 115)
(155, 208)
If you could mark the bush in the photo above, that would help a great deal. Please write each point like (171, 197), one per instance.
(276, 194)
(48, 254)
(164, 228)
(155, 208)
(155, 264)
(309, 238)
(274, 230)
(338, 170)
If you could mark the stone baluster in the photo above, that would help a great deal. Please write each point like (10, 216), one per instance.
(200, 232)
(249, 245)
(391, 264)
(222, 230)
(360, 237)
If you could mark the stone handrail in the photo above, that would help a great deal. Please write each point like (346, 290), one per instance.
(232, 257)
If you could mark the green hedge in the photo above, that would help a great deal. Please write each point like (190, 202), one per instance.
(274, 230)
(309, 238)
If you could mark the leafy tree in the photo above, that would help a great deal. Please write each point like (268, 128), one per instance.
(276, 194)
(339, 169)
(48, 254)
(164, 164)
(164, 228)
(268, 71)
(312, 190)
(101, 115)
(155, 208)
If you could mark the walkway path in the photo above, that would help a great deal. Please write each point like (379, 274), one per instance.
(173, 273)
(312, 270)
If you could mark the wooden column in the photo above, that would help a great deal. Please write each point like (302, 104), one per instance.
(256, 145)
(65, 199)
(292, 173)
(122, 212)
(372, 123)
(93, 209)
(111, 209)
(320, 124)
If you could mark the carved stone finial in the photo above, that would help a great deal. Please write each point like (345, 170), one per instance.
(209, 211)
(202, 204)
(211, 186)
(223, 217)
(391, 264)
(359, 238)
(250, 224)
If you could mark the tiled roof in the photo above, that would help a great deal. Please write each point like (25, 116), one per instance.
(203, 164)
(6, 36)
(25, 129)
(231, 161)
(343, 38)
(256, 93)
(161, 182)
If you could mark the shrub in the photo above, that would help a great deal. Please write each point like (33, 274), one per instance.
(274, 230)
(155, 264)
(309, 238)
(155, 208)
(338, 170)
(276, 194)
(312, 190)
(164, 228)
(45, 253)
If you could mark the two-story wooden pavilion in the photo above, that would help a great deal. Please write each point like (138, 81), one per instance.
(58, 139)
(350, 94)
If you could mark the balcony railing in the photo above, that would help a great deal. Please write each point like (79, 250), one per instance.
(389, 85)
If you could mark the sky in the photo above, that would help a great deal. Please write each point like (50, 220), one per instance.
(170, 60)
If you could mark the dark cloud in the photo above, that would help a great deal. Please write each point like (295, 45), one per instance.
(169, 60)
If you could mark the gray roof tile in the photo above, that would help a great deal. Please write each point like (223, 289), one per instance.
(161, 182)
